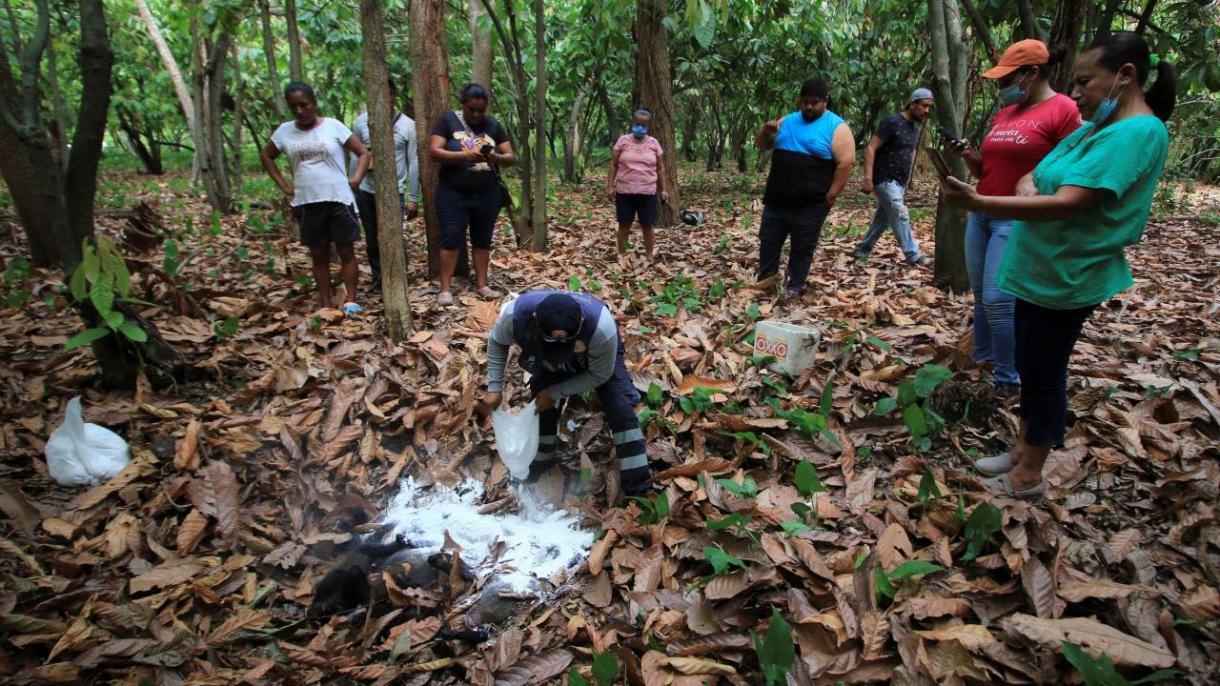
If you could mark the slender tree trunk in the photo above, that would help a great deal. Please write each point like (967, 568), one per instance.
(149, 153)
(572, 137)
(1107, 18)
(538, 221)
(58, 106)
(521, 213)
(189, 111)
(1029, 20)
(656, 93)
(214, 73)
(381, 135)
(239, 111)
(14, 34)
(948, 53)
(981, 30)
(295, 68)
(614, 125)
(430, 74)
(273, 76)
(480, 45)
(690, 130)
(1065, 34)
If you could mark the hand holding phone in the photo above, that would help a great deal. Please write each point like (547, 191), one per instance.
(951, 138)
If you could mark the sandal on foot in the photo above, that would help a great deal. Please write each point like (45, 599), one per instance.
(444, 298)
(352, 308)
(486, 292)
(1002, 485)
(994, 465)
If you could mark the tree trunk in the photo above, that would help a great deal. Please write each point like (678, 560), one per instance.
(1065, 34)
(614, 124)
(58, 106)
(430, 75)
(273, 76)
(690, 130)
(1146, 16)
(1029, 20)
(189, 111)
(656, 93)
(214, 72)
(381, 135)
(150, 153)
(538, 222)
(1107, 18)
(295, 68)
(572, 137)
(948, 53)
(480, 46)
(239, 111)
(520, 213)
(981, 30)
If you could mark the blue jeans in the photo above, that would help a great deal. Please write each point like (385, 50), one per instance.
(994, 337)
(891, 214)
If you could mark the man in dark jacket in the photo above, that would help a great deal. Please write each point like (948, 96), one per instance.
(569, 344)
(814, 155)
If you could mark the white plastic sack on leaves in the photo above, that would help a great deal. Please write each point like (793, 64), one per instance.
(517, 439)
(80, 454)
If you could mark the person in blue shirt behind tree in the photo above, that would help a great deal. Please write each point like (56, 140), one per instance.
(569, 344)
(814, 155)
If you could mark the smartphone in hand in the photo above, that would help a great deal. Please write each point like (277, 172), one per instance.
(950, 137)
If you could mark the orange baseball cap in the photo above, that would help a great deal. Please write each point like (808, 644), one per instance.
(1024, 53)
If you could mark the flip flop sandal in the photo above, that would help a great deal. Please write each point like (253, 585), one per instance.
(486, 292)
(352, 308)
(444, 298)
(1002, 485)
(994, 465)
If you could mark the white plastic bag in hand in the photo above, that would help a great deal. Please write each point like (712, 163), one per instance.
(517, 439)
(80, 454)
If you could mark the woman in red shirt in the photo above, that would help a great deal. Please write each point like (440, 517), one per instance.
(1032, 120)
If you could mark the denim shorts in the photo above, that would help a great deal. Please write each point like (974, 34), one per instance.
(630, 205)
(456, 211)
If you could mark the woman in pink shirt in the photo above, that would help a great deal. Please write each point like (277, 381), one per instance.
(636, 179)
(1032, 120)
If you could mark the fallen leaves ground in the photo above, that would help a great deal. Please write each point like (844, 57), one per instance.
(194, 564)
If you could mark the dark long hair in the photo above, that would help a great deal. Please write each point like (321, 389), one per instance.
(473, 91)
(1126, 47)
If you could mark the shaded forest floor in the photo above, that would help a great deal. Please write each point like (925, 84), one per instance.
(195, 564)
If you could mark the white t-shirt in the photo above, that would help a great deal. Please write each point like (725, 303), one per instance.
(406, 156)
(317, 161)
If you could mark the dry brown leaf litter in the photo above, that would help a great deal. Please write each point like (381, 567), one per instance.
(194, 564)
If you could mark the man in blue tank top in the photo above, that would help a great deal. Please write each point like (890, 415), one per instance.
(569, 344)
(814, 155)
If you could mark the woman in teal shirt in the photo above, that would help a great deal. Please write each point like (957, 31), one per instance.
(1086, 201)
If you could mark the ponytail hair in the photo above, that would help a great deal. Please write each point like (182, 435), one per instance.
(1126, 47)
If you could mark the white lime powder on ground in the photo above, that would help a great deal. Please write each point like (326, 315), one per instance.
(539, 541)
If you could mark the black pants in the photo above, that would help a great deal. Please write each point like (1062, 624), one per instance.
(804, 225)
(618, 398)
(1045, 339)
(367, 204)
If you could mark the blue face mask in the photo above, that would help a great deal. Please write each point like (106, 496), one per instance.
(639, 130)
(1105, 109)
(1013, 95)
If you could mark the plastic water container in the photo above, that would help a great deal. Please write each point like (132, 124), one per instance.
(793, 347)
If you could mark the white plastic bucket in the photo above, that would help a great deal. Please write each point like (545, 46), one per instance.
(793, 347)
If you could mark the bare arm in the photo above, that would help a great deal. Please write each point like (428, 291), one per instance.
(614, 171)
(1066, 203)
(843, 150)
(356, 147)
(765, 138)
(870, 156)
(267, 155)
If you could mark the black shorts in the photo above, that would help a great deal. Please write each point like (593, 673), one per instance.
(630, 205)
(327, 222)
(458, 210)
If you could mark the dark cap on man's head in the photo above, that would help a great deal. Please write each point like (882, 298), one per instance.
(558, 312)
